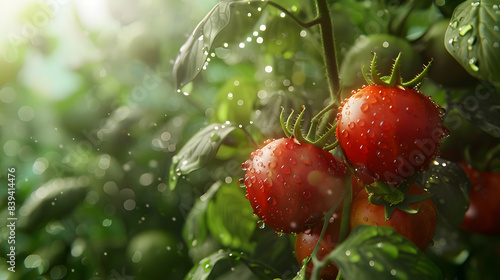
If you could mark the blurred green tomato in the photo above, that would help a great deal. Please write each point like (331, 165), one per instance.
(387, 48)
(156, 254)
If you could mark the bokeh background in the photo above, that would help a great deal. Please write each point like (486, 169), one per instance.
(90, 120)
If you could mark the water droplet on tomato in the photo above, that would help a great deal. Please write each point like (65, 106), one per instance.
(268, 183)
(371, 99)
(385, 125)
(271, 201)
(344, 133)
(363, 149)
(285, 169)
(351, 125)
(380, 154)
(241, 182)
(246, 165)
(273, 164)
(253, 179)
(306, 194)
(306, 160)
(293, 161)
(276, 152)
(279, 177)
(297, 178)
(364, 107)
(370, 133)
(261, 224)
(361, 122)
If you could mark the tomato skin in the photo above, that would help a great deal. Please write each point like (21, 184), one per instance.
(388, 133)
(306, 242)
(418, 228)
(484, 208)
(291, 185)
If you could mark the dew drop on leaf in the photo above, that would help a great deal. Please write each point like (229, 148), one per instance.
(473, 64)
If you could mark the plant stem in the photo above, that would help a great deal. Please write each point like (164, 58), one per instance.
(346, 210)
(328, 43)
(317, 264)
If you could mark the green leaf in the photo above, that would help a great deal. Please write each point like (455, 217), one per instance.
(379, 252)
(222, 262)
(449, 186)
(482, 108)
(195, 228)
(473, 38)
(198, 151)
(231, 220)
(51, 201)
(225, 23)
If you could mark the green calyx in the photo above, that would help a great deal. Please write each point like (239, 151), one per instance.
(315, 136)
(393, 198)
(394, 79)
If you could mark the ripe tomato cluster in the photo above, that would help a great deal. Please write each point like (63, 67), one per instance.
(386, 131)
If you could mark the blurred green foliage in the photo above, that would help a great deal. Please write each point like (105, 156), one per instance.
(89, 119)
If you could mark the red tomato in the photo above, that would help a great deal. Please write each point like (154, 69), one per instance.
(388, 133)
(306, 242)
(291, 185)
(418, 228)
(484, 209)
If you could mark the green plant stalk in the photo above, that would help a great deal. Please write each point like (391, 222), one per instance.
(328, 43)
(346, 210)
(317, 264)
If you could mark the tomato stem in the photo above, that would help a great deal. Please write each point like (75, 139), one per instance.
(328, 43)
(317, 264)
(346, 210)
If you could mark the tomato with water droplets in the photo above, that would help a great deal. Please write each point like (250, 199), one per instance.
(484, 209)
(418, 228)
(291, 185)
(388, 133)
(306, 242)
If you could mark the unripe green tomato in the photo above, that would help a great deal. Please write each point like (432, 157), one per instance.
(154, 254)
(387, 48)
(146, 48)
